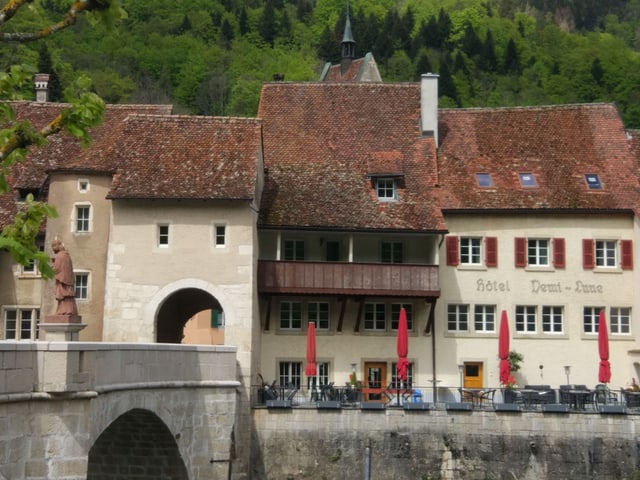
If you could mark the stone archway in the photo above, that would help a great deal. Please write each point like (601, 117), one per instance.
(177, 309)
(136, 445)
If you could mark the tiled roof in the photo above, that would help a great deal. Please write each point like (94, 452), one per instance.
(186, 157)
(557, 144)
(319, 140)
(362, 69)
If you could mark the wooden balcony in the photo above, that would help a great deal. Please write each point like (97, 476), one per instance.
(339, 278)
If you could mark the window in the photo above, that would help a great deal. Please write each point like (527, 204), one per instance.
(526, 319)
(83, 185)
(318, 312)
(294, 250)
(620, 320)
(467, 251)
(593, 181)
(604, 254)
(374, 317)
(470, 251)
(391, 252)
(394, 376)
(322, 375)
(484, 180)
(290, 315)
(32, 267)
(538, 252)
(220, 231)
(457, 318)
(552, 319)
(163, 235)
(82, 286)
(395, 315)
(83, 218)
(527, 180)
(217, 318)
(385, 188)
(21, 323)
(590, 318)
(484, 318)
(290, 374)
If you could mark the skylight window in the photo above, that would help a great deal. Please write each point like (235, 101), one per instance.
(527, 180)
(484, 180)
(593, 181)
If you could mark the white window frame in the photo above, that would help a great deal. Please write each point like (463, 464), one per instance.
(82, 286)
(552, 318)
(292, 245)
(80, 224)
(526, 319)
(606, 253)
(319, 313)
(18, 330)
(84, 186)
(394, 376)
(620, 320)
(484, 318)
(290, 373)
(31, 269)
(457, 317)
(470, 251)
(386, 189)
(590, 319)
(290, 315)
(220, 235)
(538, 252)
(163, 239)
(375, 317)
(395, 314)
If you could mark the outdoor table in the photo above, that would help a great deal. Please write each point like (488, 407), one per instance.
(632, 398)
(477, 395)
(579, 398)
(531, 397)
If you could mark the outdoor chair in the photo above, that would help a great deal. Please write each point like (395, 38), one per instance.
(603, 396)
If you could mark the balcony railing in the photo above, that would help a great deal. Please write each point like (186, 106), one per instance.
(339, 278)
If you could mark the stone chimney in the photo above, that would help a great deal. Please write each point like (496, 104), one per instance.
(42, 87)
(429, 105)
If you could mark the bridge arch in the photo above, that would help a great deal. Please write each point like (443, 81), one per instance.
(174, 304)
(136, 445)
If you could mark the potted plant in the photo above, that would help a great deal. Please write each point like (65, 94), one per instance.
(508, 393)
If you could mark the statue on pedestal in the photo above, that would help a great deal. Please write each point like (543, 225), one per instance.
(65, 292)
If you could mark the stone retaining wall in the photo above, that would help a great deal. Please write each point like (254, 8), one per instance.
(479, 445)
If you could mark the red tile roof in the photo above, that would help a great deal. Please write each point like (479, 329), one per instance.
(319, 141)
(186, 157)
(360, 69)
(557, 144)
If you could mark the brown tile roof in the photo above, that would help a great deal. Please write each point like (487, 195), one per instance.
(319, 140)
(557, 144)
(351, 75)
(186, 157)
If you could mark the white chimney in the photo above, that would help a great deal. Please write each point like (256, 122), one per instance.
(42, 87)
(429, 105)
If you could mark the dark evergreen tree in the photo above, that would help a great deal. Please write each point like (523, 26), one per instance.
(243, 22)
(488, 59)
(597, 72)
(328, 48)
(185, 26)
(267, 25)
(405, 29)
(226, 31)
(423, 65)
(459, 65)
(471, 43)
(367, 33)
(446, 85)
(285, 27)
(511, 58)
(444, 27)
(45, 65)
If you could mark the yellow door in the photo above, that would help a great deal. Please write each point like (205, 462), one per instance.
(472, 375)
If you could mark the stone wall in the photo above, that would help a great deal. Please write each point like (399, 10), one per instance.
(479, 445)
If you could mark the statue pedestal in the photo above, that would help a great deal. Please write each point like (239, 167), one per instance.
(63, 328)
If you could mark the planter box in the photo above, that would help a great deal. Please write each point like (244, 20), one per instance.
(555, 408)
(508, 407)
(329, 405)
(278, 403)
(417, 406)
(613, 409)
(460, 406)
(372, 406)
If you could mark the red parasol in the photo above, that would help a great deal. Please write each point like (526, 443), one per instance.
(402, 346)
(311, 369)
(503, 349)
(604, 372)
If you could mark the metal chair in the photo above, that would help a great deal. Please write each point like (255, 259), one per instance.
(603, 396)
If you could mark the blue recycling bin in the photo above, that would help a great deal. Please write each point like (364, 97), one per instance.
(417, 396)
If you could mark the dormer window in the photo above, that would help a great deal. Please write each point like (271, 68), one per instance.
(23, 193)
(386, 188)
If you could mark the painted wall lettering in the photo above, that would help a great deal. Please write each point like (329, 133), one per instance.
(492, 286)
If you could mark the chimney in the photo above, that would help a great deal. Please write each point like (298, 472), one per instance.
(42, 87)
(429, 105)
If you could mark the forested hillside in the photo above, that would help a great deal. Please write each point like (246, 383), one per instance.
(211, 56)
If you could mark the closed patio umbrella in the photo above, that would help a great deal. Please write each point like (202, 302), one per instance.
(503, 349)
(402, 348)
(311, 369)
(604, 372)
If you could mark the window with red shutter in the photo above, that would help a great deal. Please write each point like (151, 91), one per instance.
(521, 251)
(588, 260)
(626, 250)
(452, 251)
(491, 246)
(558, 253)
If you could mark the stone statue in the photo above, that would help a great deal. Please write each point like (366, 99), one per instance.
(65, 280)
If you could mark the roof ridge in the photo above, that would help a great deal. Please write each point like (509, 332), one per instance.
(191, 118)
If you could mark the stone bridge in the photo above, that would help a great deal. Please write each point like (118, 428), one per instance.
(74, 410)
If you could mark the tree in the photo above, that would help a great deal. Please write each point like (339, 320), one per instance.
(45, 65)
(16, 137)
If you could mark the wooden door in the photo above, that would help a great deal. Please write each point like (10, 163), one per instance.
(375, 378)
(473, 375)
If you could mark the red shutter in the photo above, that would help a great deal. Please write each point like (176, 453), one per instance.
(588, 260)
(453, 257)
(491, 246)
(626, 249)
(521, 251)
(558, 253)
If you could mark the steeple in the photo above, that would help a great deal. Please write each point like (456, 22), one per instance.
(348, 45)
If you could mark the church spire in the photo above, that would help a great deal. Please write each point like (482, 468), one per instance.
(348, 45)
